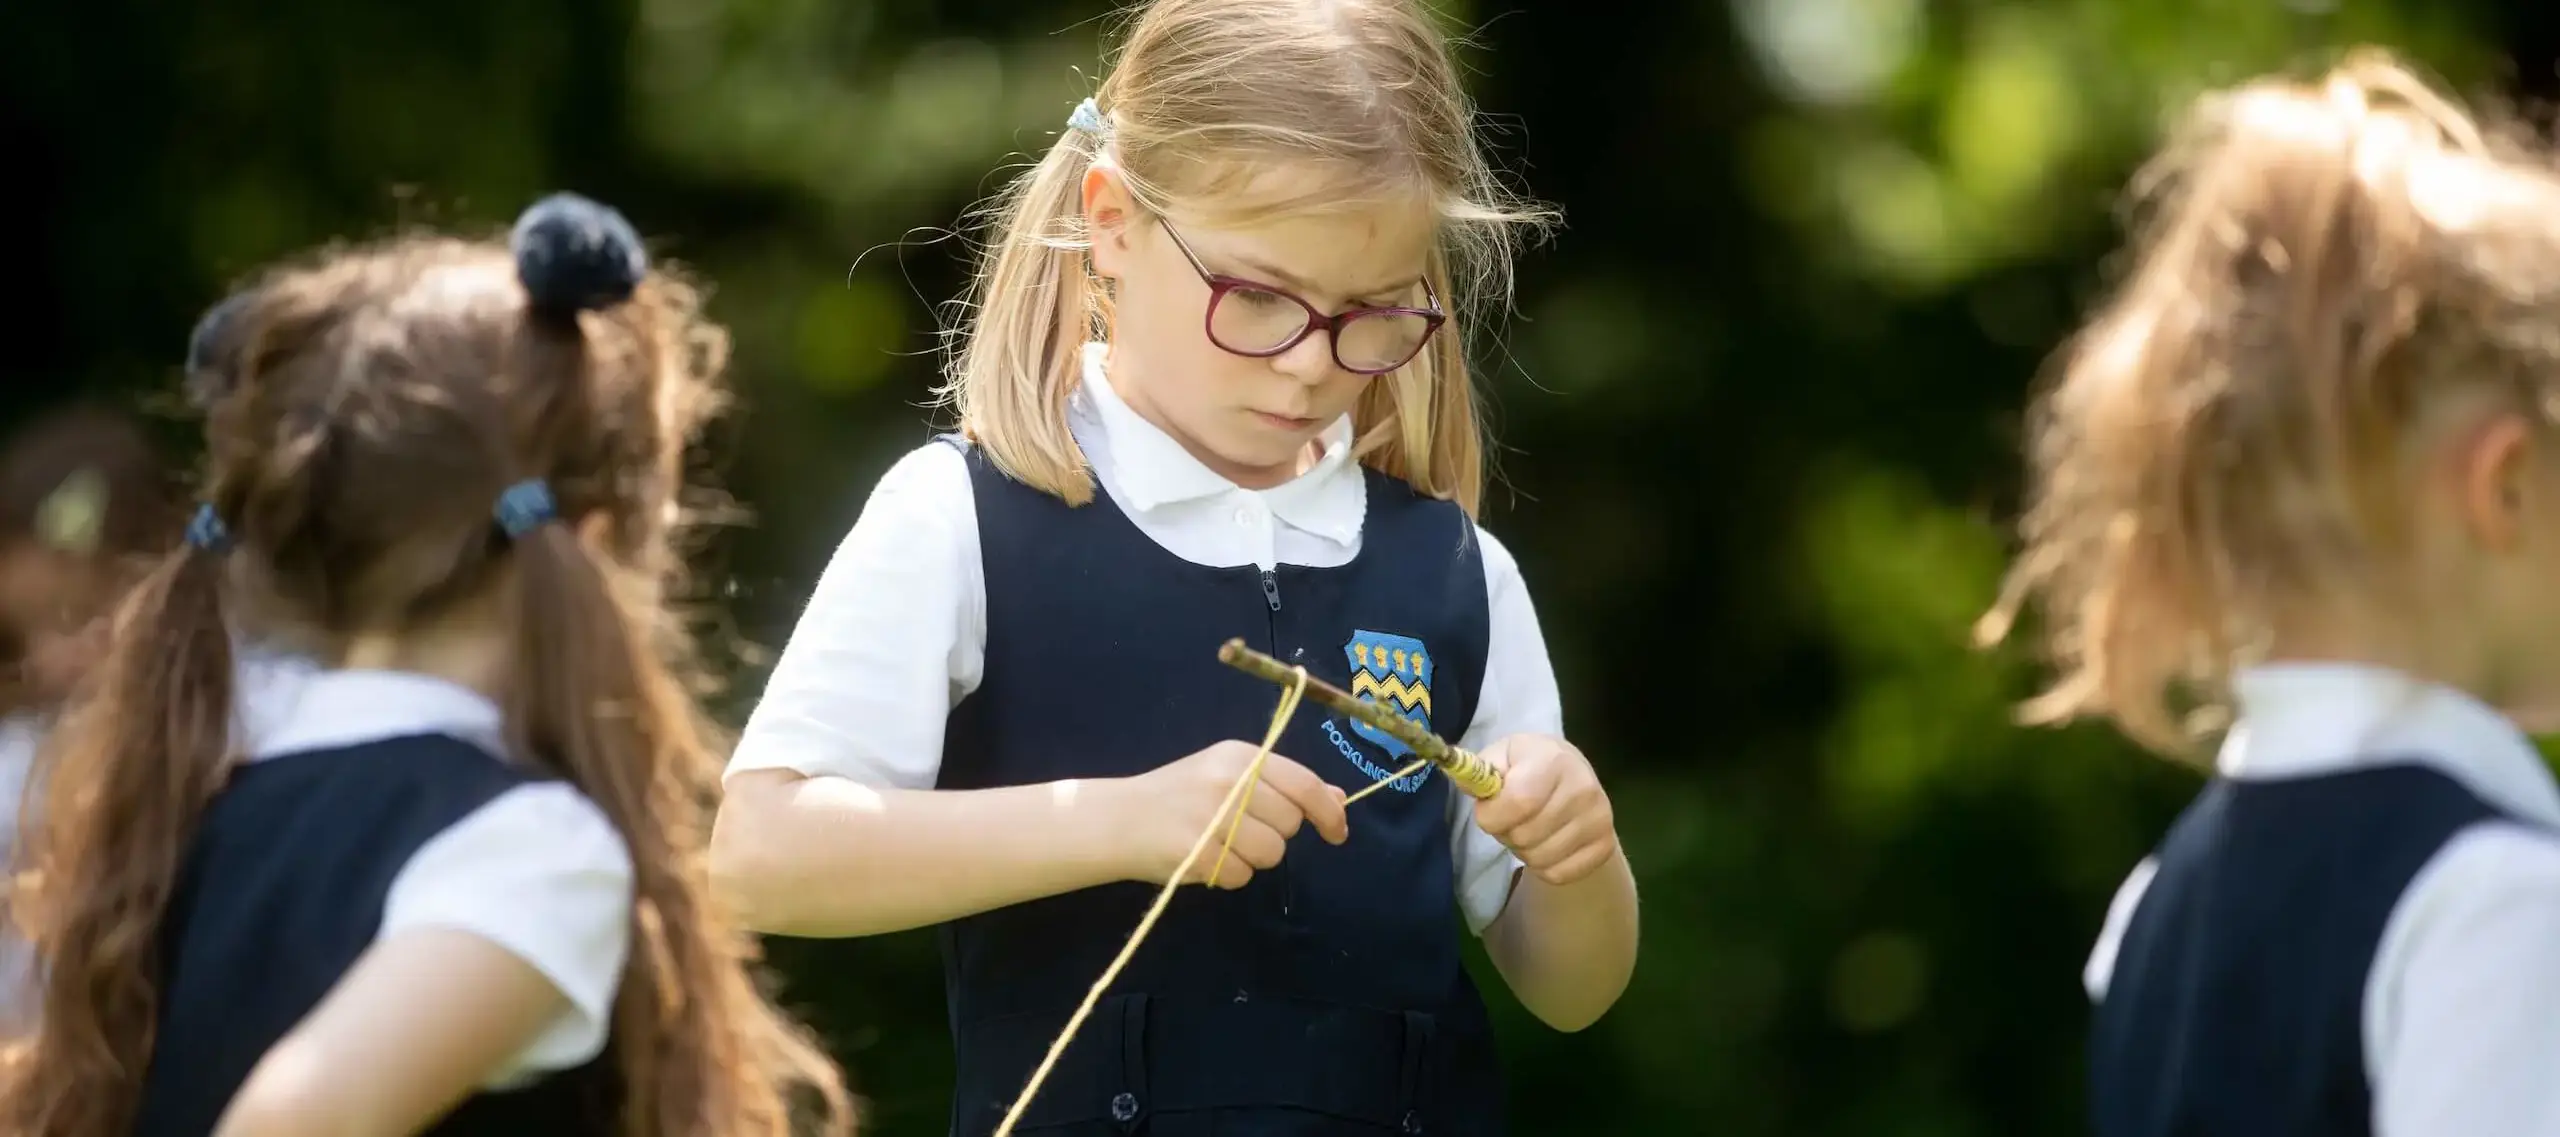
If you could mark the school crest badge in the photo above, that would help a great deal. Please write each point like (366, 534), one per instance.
(1395, 671)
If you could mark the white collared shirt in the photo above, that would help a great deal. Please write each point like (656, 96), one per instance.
(895, 633)
(2462, 1005)
(539, 871)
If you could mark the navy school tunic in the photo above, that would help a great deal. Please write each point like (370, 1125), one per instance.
(282, 888)
(2235, 1007)
(1327, 997)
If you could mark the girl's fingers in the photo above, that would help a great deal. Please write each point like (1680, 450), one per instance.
(1573, 863)
(1275, 810)
(1540, 828)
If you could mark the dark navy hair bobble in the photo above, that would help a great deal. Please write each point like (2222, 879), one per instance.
(576, 255)
(210, 368)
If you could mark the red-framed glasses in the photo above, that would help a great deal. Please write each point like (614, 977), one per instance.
(1259, 321)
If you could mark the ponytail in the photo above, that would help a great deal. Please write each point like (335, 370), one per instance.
(2225, 437)
(124, 780)
(1030, 307)
(591, 696)
(702, 1053)
(349, 531)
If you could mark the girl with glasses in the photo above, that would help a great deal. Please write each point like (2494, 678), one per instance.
(1211, 387)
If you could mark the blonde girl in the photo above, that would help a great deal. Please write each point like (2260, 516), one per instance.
(1211, 385)
(2305, 468)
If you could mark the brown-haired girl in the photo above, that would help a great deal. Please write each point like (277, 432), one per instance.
(386, 815)
(2304, 470)
(1213, 385)
(84, 503)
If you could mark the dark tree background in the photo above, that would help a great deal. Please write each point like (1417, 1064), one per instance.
(1759, 405)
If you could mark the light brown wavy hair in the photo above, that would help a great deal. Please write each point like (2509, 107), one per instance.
(2316, 264)
(363, 412)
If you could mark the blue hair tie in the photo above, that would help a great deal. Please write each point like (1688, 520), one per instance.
(525, 507)
(1088, 118)
(207, 532)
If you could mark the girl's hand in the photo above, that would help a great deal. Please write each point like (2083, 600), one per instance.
(1551, 812)
(1168, 807)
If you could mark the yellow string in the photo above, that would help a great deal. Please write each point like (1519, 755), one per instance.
(1235, 799)
(1390, 779)
(1252, 778)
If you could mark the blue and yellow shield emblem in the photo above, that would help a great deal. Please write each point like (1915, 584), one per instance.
(1394, 671)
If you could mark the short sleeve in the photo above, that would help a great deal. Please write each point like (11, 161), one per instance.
(2462, 1008)
(893, 636)
(543, 874)
(1519, 697)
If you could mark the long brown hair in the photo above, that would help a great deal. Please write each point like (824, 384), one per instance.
(2318, 264)
(1365, 93)
(364, 411)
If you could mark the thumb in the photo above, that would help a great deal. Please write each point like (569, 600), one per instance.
(1498, 756)
(1499, 813)
(1495, 816)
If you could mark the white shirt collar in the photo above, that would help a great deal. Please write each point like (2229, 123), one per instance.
(2299, 719)
(293, 706)
(1151, 471)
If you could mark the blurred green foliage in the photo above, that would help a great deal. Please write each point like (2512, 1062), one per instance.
(1762, 391)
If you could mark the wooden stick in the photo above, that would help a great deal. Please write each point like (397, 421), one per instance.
(1467, 771)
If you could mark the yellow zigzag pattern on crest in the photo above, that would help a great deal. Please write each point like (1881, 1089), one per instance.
(1392, 690)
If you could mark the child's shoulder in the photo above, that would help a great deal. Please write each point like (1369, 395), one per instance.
(924, 498)
(2497, 860)
(937, 470)
(519, 824)
(429, 778)
(543, 872)
(1498, 560)
(550, 823)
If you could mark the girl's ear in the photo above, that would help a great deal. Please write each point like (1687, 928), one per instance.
(595, 531)
(1107, 209)
(2496, 484)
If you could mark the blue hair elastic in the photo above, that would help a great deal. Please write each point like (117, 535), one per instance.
(207, 532)
(525, 507)
(1088, 118)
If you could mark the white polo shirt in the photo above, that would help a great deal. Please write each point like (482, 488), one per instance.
(539, 871)
(895, 633)
(2462, 1004)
